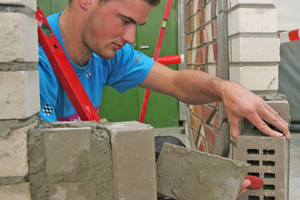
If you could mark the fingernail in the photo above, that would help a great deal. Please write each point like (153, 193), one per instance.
(248, 183)
(288, 136)
(279, 134)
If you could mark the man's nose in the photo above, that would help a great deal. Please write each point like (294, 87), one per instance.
(129, 34)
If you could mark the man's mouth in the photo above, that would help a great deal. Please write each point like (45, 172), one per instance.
(117, 46)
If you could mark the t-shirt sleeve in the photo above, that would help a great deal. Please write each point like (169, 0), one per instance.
(48, 88)
(129, 68)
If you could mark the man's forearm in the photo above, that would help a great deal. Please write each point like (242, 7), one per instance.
(197, 87)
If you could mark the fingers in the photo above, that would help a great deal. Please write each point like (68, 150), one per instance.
(263, 127)
(246, 183)
(257, 120)
(277, 121)
(275, 114)
(234, 127)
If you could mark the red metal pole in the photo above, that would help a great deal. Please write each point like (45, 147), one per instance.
(156, 54)
(64, 71)
(170, 60)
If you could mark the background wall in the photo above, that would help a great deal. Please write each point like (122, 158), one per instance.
(288, 14)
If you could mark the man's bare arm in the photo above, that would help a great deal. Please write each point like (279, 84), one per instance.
(196, 87)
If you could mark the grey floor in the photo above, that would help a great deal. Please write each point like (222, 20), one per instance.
(294, 191)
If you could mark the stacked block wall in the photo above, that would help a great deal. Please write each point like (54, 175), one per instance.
(242, 47)
(253, 62)
(254, 45)
(247, 52)
(89, 161)
(19, 89)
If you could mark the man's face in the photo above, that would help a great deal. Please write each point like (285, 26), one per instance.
(112, 24)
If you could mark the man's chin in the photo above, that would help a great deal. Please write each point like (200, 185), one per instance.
(108, 55)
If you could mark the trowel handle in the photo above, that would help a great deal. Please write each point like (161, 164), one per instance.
(256, 183)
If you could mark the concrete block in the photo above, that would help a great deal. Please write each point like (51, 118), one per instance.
(29, 3)
(252, 20)
(251, 49)
(280, 104)
(63, 147)
(13, 153)
(18, 38)
(236, 2)
(15, 192)
(68, 156)
(255, 78)
(133, 155)
(282, 107)
(188, 174)
(269, 160)
(19, 94)
(74, 191)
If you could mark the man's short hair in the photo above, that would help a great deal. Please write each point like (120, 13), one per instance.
(151, 2)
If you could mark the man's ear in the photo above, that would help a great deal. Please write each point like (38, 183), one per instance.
(85, 3)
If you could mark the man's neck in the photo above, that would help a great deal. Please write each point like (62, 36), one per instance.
(70, 28)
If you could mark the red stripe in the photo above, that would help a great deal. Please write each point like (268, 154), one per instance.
(293, 35)
(169, 60)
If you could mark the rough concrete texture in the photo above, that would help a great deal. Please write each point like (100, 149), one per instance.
(72, 191)
(29, 3)
(259, 19)
(280, 104)
(7, 125)
(15, 192)
(186, 174)
(18, 38)
(70, 159)
(255, 78)
(13, 156)
(19, 94)
(269, 159)
(254, 49)
(133, 155)
(16, 66)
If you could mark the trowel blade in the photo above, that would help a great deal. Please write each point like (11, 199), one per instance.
(186, 174)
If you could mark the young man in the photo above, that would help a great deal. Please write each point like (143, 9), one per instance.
(96, 36)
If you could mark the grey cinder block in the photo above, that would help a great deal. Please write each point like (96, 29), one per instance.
(269, 160)
(133, 156)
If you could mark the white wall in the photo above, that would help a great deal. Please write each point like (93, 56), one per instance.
(288, 14)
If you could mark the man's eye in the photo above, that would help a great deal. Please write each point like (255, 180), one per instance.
(125, 21)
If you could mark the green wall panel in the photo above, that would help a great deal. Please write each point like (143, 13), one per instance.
(52, 6)
(45, 5)
(58, 6)
(162, 111)
(119, 107)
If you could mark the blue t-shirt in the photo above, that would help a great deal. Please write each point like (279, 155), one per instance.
(126, 70)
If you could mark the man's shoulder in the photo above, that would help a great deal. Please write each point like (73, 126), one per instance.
(53, 17)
